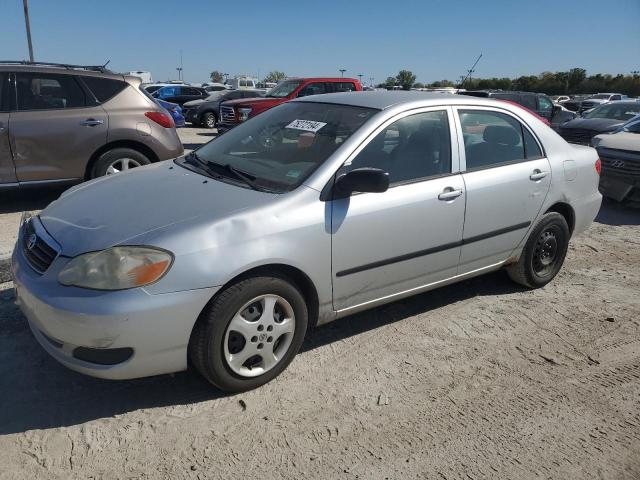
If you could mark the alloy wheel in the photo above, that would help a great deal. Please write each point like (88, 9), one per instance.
(121, 165)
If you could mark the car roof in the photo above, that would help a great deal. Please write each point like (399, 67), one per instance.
(382, 100)
(16, 67)
(324, 79)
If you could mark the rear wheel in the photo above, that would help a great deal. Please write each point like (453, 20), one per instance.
(118, 160)
(544, 252)
(208, 120)
(249, 333)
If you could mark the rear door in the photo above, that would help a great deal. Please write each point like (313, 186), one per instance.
(7, 170)
(506, 177)
(56, 128)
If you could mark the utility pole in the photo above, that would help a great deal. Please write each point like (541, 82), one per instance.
(371, 81)
(26, 21)
(360, 77)
(342, 70)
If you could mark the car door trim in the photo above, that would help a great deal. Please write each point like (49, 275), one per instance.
(430, 251)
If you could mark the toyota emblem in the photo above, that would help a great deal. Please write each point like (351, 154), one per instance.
(31, 241)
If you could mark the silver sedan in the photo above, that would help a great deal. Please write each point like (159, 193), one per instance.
(311, 211)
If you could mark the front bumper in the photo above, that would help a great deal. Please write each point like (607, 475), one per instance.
(620, 188)
(64, 319)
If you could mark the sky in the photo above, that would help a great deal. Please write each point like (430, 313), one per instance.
(435, 39)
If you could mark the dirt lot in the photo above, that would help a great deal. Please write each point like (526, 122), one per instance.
(476, 380)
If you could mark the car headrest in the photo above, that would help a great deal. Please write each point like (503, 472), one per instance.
(501, 134)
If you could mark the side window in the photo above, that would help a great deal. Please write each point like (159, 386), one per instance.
(104, 88)
(490, 138)
(38, 91)
(616, 97)
(344, 87)
(546, 107)
(312, 89)
(3, 89)
(412, 148)
(235, 95)
(528, 101)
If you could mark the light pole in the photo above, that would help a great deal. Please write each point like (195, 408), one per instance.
(360, 77)
(342, 70)
(371, 81)
(26, 21)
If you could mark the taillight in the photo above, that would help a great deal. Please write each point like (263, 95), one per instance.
(598, 166)
(161, 119)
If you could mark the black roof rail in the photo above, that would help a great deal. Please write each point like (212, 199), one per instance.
(93, 68)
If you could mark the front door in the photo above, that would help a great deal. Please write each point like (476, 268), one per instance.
(506, 178)
(7, 170)
(55, 129)
(388, 243)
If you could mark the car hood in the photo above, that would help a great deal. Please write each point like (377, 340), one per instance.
(115, 209)
(598, 124)
(621, 141)
(195, 103)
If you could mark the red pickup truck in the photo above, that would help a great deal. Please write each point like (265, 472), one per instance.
(233, 112)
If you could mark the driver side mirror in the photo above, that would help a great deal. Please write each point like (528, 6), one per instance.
(364, 180)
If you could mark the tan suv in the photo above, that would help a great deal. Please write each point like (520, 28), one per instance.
(65, 123)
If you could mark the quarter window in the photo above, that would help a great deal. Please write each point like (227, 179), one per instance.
(412, 148)
(104, 88)
(493, 139)
(37, 91)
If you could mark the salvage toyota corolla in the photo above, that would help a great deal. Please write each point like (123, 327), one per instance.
(309, 212)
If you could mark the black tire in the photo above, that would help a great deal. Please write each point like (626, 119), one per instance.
(208, 120)
(206, 345)
(111, 157)
(544, 252)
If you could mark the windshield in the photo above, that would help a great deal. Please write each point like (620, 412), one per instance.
(284, 89)
(281, 147)
(615, 111)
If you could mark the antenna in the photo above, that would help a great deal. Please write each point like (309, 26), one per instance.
(470, 71)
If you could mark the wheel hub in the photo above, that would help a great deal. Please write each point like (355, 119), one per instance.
(259, 335)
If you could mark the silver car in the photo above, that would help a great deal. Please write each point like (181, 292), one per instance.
(314, 210)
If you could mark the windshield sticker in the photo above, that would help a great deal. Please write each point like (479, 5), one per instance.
(293, 173)
(306, 125)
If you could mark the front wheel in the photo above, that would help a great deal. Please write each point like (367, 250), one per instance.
(544, 252)
(249, 333)
(208, 120)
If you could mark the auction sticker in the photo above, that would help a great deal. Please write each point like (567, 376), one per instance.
(306, 125)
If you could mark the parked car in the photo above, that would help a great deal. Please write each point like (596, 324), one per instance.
(242, 83)
(228, 256)
(620, 156)
(174, 110)
(558, 99)
(215, 87)
(237, 111)
(180, 94)
(539, 103)
(600, 99)
(63, 123)
(206, 113)
(575, 102)
(145, 77)
(152, 87)
(602, 119)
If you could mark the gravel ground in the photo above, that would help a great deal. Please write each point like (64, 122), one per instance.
(477, 380)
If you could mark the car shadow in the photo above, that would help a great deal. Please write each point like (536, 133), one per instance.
(616, 214)
(39, 393)
(28, 199)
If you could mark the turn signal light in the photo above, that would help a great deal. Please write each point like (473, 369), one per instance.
(598, 166)
(161, 119)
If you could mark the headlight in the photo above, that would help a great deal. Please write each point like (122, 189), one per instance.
(116, 268)
(243, 113)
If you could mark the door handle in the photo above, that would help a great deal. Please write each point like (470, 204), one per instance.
(537, 175)
(449, 194)
(91, 122)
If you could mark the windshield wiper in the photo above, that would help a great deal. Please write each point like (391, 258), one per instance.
(238, 174)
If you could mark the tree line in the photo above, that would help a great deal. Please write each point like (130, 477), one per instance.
(575, 81)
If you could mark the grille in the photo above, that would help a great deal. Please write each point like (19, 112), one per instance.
(38, 253)
(620, 166)
(578, 135)
(227, 114)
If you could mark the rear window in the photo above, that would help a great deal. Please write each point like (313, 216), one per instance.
(104, 88)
